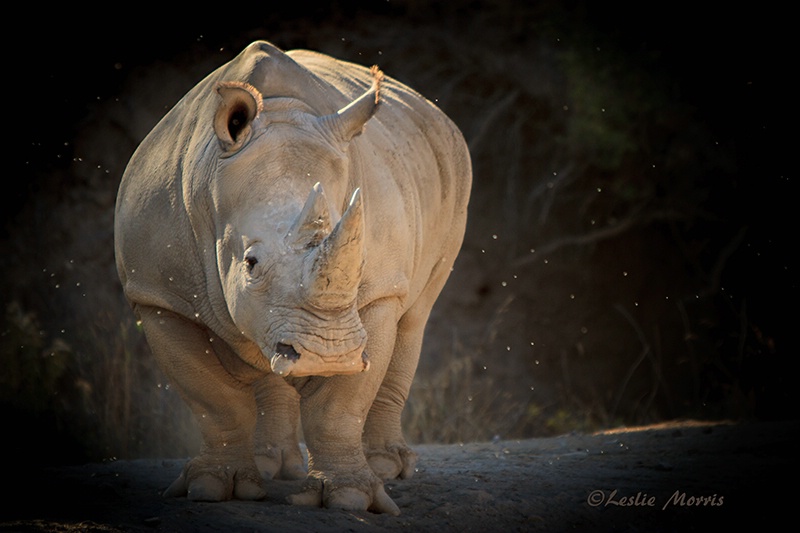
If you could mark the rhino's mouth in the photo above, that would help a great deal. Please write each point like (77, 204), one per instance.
(286, 361)
(287, 351)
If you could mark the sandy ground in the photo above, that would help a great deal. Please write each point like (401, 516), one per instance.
(673, 477)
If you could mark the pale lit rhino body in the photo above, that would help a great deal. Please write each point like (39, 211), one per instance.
(282, 234)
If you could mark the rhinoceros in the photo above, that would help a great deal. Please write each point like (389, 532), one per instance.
(282, 235)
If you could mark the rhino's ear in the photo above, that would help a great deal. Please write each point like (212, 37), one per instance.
(240, 103)
(351, 119)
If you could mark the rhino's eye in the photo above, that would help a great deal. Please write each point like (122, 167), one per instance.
(251, 262)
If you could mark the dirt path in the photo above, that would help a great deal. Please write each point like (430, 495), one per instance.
(675, 477)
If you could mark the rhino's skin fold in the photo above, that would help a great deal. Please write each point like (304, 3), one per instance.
(289, 215)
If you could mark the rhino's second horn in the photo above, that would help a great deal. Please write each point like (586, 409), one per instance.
(334, 267)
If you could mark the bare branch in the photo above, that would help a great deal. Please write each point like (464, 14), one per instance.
(598, 235)
(644, 353)
(549, 187)
(489, 117)
(724, 255)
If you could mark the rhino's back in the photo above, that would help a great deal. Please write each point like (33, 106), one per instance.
(416, 171)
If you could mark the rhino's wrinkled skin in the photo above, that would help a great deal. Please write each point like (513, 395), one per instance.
(282, 235)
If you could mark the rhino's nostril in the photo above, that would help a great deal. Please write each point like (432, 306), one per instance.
(287, 351)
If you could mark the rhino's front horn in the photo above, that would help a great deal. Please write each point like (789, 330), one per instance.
(333, 270)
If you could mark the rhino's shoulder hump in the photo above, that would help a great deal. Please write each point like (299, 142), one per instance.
(275, 73)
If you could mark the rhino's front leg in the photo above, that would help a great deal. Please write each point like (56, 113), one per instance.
(387, 452)
(334, 411)
(276, 440)
(223, 406)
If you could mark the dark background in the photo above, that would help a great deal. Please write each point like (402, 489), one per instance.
(642, 151)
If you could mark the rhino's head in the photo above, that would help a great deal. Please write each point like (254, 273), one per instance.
(289, 263)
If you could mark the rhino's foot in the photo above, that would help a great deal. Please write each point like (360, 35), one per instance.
(361, 491)
(213, 480)
(278, 463)
(394, 461)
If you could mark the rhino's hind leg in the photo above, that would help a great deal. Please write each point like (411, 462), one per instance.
(392, 461)
(277, 448)
(384, 445)
(223, 406)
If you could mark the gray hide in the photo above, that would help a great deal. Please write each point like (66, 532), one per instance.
(282, 234)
